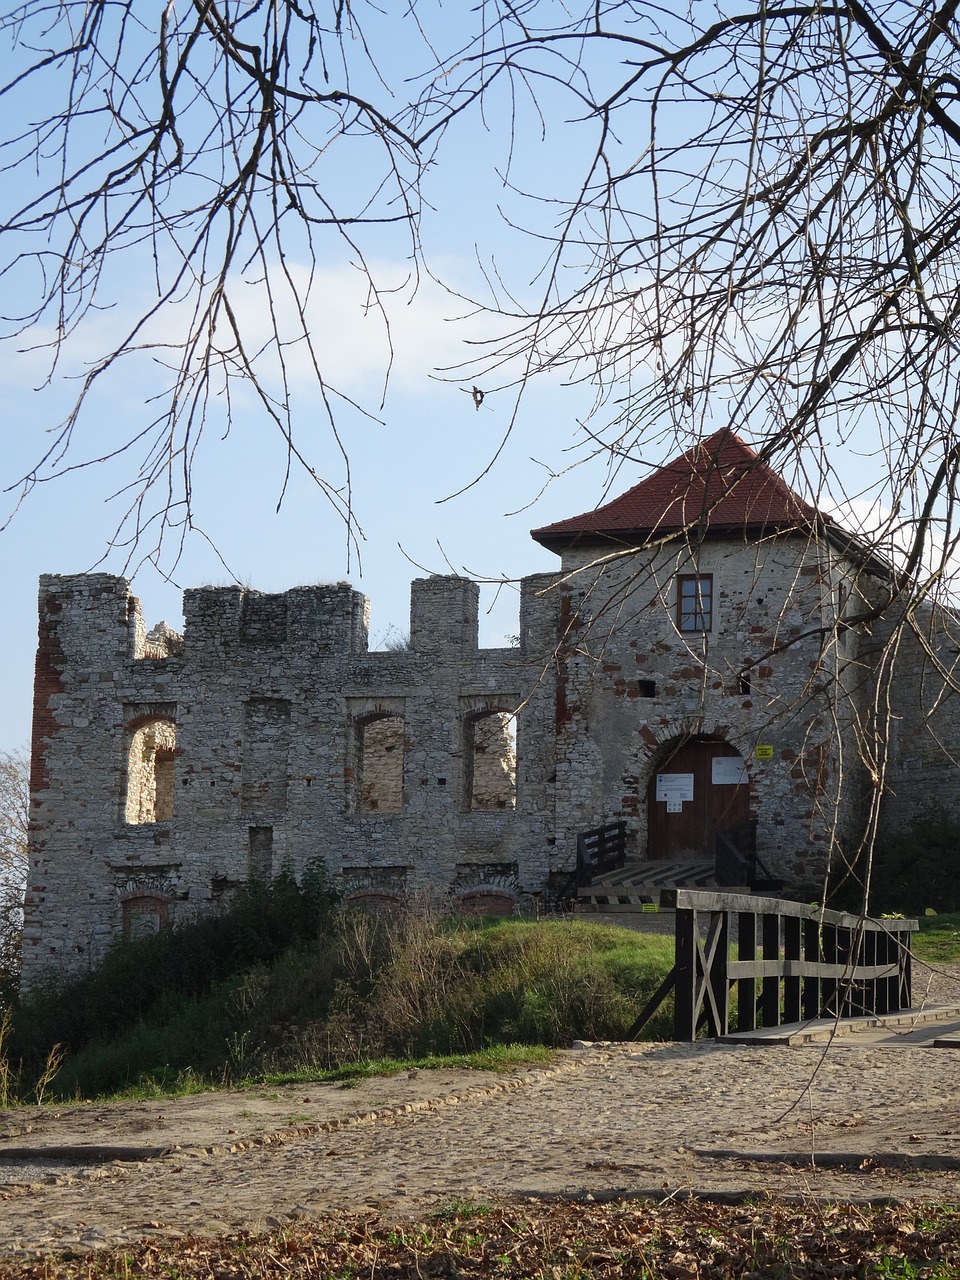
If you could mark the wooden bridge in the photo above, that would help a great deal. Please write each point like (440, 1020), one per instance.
(793, 963)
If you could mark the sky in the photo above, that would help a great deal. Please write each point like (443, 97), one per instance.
(438, 483)
(431, 442)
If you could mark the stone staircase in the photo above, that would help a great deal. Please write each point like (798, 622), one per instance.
(630, 896)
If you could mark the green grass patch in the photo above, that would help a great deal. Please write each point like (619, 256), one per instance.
(496, 1057)
(938, 941)
(349, 994)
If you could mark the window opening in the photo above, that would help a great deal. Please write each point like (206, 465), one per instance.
(144, 915)
(491, 761)
(150, 768)
(261, 853)
(380, 765)
(695, 602)
(487, 902)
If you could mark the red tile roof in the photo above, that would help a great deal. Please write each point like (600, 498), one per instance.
(718, 486)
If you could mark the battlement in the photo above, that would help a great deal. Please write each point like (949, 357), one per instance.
(223, 620)
(99, 616)
(168, 769)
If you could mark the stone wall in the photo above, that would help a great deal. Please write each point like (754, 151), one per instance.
(167, 770)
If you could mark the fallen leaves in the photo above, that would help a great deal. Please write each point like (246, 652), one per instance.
(562, 1240)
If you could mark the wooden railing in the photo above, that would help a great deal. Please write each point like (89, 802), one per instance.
(602, 849)
(793, 963)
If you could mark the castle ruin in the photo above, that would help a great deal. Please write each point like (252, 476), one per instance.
(708, 654)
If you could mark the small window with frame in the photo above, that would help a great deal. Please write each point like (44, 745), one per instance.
(694, 602)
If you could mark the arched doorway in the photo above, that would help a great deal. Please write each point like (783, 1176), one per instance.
(698, 787)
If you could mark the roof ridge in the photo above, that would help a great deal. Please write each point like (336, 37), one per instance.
(718, 482)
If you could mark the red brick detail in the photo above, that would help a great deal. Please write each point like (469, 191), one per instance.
(47, 683)
(483, 903)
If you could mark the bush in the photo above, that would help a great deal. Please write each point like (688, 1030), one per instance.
(913, 868)
(917, 867)
(457, 987)
(151, 978)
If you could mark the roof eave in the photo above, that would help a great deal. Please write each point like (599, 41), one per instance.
(637, 538)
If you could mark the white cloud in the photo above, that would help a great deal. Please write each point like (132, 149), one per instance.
(413, 327)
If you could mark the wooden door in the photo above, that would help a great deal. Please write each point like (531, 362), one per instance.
(690, 798)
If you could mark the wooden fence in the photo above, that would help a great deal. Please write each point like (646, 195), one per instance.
(793, 963)
(602, 849)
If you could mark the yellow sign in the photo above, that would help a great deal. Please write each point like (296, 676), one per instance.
(764, 751)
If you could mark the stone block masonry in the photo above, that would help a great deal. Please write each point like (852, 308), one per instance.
(712, 658)
(167, 770)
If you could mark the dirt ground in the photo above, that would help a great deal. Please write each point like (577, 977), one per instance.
(861, 1118)
(857, 1122)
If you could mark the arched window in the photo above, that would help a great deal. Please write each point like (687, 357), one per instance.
(150, 757)
(487, 902)
(490, 760)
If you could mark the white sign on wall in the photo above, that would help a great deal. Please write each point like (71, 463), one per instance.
(728, 771)
(675, 787)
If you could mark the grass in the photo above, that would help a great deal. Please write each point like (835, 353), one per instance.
(355, 996)
(496, 1057)
(938, 940)
(289, 987)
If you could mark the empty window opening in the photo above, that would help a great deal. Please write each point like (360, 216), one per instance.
(695, 602)
(646, 688)
(491, 760)
(261, 853)
(380, 765)
(743, 683)
(150, 772)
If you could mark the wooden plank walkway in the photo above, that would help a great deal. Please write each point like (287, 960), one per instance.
(936, 1025)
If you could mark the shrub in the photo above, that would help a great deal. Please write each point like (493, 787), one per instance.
(149, 978)
(917, 867)
(362, 987)
(456, 987)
